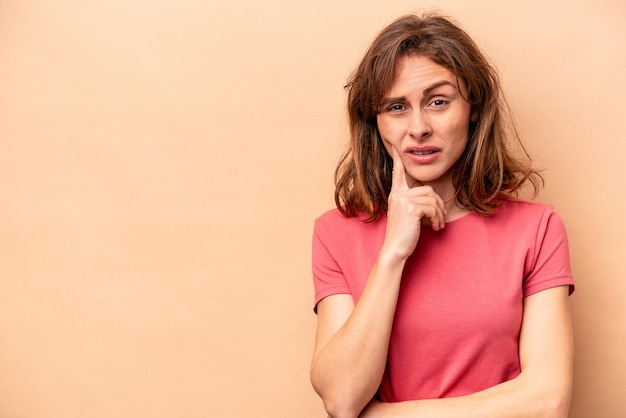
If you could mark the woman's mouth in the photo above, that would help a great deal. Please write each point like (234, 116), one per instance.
(423, 155)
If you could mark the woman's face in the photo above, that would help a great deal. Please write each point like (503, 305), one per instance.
(425, 117)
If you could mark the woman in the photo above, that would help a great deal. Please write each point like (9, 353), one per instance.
(438, 293)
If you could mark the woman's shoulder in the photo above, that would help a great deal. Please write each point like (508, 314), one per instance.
(331, 215)
(334, 222)
(336, 216)
(520, 205)
(524, 211)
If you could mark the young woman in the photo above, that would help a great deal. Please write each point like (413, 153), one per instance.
(438, 293)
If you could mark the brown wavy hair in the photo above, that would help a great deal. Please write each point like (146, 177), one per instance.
(494, 164)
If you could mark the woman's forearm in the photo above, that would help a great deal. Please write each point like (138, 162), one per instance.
(523, 397)
(543, 389)
(348, 368)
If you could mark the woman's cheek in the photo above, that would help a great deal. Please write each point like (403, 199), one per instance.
(387, 145)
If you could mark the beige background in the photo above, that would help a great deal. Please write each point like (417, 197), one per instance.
(162, 162)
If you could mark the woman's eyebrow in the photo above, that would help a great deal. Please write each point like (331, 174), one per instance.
(439, 84)
(388, 100)
(424, 92)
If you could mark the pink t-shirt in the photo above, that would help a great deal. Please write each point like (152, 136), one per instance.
(459, 313)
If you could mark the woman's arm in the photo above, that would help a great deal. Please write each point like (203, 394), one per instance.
(543, 389)
(351, 341)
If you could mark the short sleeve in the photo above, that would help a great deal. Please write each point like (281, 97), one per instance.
(550, 264)
(328, 278)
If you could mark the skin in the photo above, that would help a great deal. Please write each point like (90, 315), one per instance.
(351, 340)
(425, 108)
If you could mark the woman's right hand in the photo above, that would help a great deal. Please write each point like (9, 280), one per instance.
(407, 205)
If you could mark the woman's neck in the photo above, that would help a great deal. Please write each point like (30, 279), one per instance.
(447, 192)
(454, 211)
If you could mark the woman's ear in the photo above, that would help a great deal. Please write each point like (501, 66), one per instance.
(474, 115)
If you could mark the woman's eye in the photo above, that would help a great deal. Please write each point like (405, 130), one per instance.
(395, 108)
(439, 102)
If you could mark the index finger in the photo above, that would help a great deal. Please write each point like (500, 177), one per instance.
(398, 174)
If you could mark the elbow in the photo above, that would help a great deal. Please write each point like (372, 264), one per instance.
(554, 403)
(340, 409)
(343, 395)
(557, 407)
(337, 405)
(560, 399)
(547, 395)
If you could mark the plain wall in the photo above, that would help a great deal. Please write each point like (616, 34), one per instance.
(161, 164)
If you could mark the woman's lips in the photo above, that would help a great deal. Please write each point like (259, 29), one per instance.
(423, 155)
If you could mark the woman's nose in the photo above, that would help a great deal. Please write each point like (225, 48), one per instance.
(419, 125)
